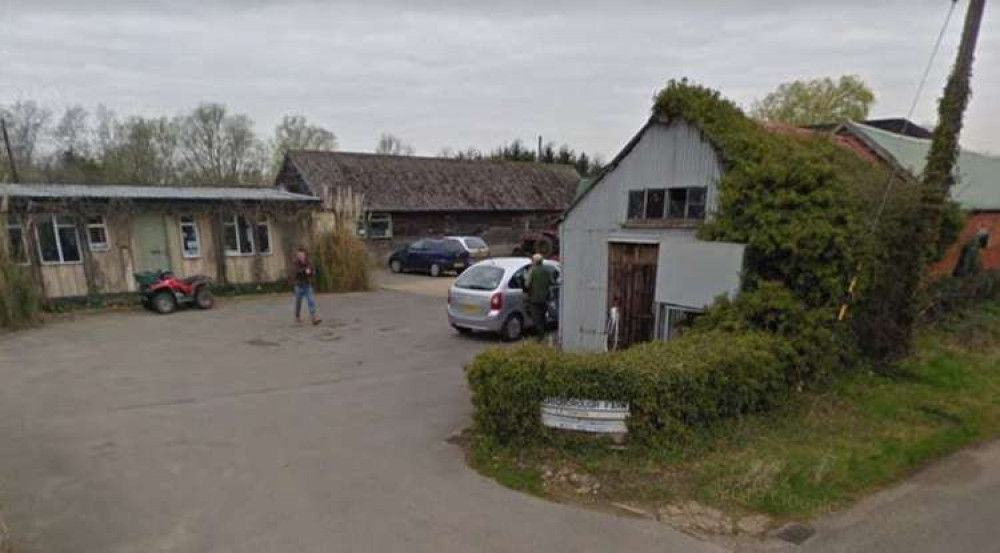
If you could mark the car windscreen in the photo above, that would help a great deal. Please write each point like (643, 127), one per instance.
(475, 243)
(453, 246)
(483, 277)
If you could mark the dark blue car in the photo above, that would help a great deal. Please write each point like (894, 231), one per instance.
(431, 255)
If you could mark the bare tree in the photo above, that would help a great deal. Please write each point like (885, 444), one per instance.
(27, 123)
(139, 150)
(72, 133)
(389, 144)
(295, 133)
(219, 148)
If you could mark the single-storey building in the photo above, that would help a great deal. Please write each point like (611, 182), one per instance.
(633, 269)
(976, 188)
(405, 197)
(87, 240)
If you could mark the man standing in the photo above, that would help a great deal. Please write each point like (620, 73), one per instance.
(537, 284)
(302, 275)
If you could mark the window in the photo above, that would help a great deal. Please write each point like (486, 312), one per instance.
(17, 247)
(190, 238)
(654, 203)
(636, 204)
(670, 203)
(376, 226)
(420, 245)
(481, 277)
(263, 237)
(453, 246)
(672, 320)
(58, 240)
(983, 238)
(97, 234)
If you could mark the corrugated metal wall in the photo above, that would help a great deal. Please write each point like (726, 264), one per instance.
(665, 156)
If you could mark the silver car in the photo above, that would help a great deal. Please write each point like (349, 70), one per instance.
(489, 297)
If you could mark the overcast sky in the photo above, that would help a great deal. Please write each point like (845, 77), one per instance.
(464, 73)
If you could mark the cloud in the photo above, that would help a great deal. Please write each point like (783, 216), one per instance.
(458, 72)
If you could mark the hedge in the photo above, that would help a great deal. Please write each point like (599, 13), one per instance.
(672, 387)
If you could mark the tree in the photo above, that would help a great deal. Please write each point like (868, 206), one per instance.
(27, 124)
(389, 144)
(219, 148)
(295, 133)
(71, 133)
(813, 102)
(140, 150)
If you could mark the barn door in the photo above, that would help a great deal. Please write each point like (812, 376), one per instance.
(631, 287)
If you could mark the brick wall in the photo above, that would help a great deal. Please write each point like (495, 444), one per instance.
(990, 257)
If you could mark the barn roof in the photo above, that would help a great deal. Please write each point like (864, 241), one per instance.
(977, 184)
(409, 183)
(145, 192)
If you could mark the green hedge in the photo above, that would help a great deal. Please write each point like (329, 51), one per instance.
(672, 387)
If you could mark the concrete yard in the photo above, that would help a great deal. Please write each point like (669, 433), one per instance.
(236, 430)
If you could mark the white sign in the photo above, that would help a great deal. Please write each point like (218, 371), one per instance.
(584, 415)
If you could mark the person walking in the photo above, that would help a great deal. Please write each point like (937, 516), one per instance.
(302, 277)
(537, 285)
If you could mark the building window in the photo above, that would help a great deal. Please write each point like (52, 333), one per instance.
(983, 238)
(672, 320)
(240, 237)
(190, 238)
(376, 226)
(58, 240)
(17, 247)
(97, 234)
(667, 203)
(263, 237)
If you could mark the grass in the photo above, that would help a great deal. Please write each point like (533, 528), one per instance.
(817, 454)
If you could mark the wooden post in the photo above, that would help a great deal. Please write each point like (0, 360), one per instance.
(219, 244)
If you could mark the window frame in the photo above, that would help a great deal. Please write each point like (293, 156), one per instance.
(663, 330)
(53, 219)
(103, 226)
(253, 227)
(366, 223)
(16, 222)
(666, 217)
(193, 223)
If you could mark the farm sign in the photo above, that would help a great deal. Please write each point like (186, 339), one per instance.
(584, 415)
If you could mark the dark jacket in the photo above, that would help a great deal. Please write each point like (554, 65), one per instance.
(301, 272)
(537, 283)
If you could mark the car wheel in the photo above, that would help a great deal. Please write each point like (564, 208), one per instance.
(203, 298)
(435, 270)
(164, 303)
(396, 266)
(512, 328)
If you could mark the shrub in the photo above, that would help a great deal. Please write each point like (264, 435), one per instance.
(672, 387)
(20, 300)
(341, 262)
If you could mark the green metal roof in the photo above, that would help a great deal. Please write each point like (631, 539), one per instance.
(977, 185)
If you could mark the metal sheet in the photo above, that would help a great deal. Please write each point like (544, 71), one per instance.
(599, 417)
(104, 191)
(694, 274)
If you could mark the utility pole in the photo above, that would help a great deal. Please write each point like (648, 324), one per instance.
(539, 159)
(938, 175)
(10, 152)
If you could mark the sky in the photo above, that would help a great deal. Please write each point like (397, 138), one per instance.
(460, 73)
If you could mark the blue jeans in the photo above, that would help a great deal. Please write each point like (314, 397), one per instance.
(304, 291)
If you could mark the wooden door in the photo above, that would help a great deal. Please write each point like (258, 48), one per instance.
(632, 288)
(151, 240)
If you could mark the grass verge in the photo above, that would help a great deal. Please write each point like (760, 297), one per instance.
(819, 453)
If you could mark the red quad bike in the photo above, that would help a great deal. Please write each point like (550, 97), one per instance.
(163, 292)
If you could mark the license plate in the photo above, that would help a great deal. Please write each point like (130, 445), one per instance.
(470, 309)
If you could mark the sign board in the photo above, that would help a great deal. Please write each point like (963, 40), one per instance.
(583, 415)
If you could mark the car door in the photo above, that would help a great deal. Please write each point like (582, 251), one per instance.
(415, 254)
(514, 295)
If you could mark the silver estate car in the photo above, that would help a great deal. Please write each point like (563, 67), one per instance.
(488, 296)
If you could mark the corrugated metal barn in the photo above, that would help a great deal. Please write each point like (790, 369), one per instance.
(632, 267)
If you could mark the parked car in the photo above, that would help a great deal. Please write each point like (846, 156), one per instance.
(489, 297)
(477, 247)
(431, 255)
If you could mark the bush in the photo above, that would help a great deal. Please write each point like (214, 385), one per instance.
(341, 262)
(20, 300)
(672, 387)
